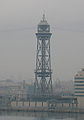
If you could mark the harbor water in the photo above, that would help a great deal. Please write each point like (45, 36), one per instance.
(40, 116)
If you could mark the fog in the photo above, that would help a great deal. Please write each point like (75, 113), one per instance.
(18, 25)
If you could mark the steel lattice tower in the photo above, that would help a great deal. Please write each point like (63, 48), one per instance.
(43, 73)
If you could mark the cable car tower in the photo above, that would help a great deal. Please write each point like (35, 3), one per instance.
(43, 73)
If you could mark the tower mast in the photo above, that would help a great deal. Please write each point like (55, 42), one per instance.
(43, 73)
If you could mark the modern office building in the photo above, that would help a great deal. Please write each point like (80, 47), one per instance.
(79, 87)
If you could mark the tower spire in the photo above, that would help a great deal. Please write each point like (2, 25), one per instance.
(44, 16)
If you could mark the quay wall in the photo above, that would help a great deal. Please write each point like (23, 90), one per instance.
(30, 106)
(42, 107)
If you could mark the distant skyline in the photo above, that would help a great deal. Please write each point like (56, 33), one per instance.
(18, 25)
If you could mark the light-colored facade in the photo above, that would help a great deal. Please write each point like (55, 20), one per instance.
(79, 87)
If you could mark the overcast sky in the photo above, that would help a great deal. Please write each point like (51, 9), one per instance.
(18, 24)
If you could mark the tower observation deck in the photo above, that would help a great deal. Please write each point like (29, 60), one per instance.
(43, 73)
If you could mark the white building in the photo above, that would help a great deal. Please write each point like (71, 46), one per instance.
(79, 87)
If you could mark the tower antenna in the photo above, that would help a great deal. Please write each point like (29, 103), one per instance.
(44, 16)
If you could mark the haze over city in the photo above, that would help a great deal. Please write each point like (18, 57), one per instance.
(18, 25)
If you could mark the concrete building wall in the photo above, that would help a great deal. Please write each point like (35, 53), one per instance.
(26, 104)
(29, 104)
(32, 104)
(80, 102)
(20, 104)
(45, 104)
(39, 104)
(13, 104)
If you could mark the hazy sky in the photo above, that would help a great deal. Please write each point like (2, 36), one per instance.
(18, 24)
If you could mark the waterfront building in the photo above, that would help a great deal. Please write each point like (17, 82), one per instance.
(79, 87)
(15, 90)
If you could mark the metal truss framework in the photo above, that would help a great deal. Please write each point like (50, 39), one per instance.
(43, 73)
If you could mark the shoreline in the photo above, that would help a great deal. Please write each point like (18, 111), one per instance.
(39, 109)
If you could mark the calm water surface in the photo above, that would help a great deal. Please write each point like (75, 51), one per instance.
(40, 116)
